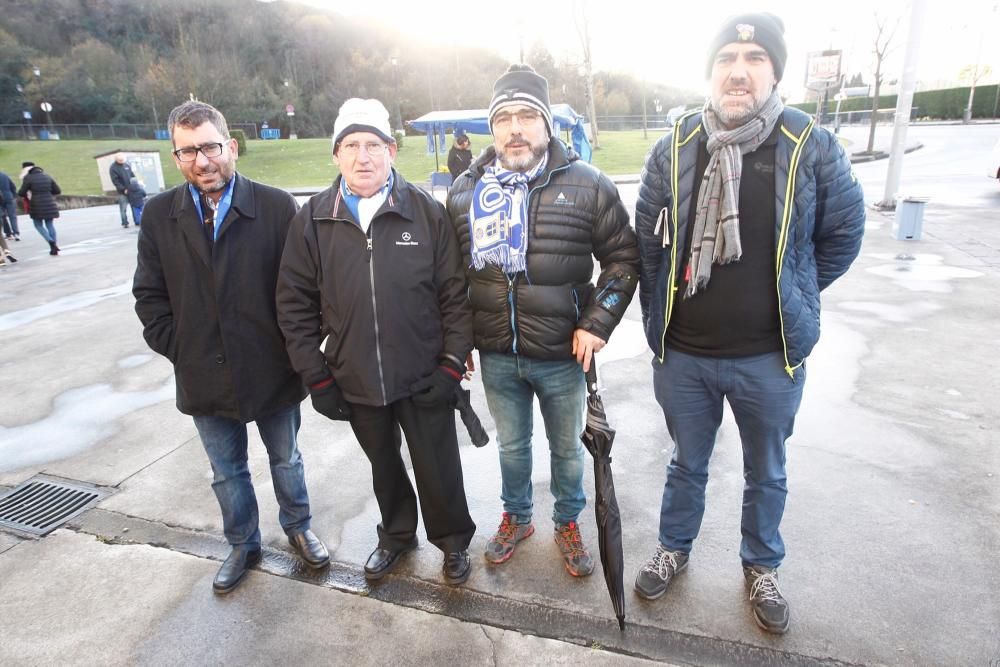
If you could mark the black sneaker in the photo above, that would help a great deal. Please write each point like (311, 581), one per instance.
(770, 609)
(656, 574)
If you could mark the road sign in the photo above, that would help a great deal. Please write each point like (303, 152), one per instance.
(290, 110)
(46, 107)
(26, 114)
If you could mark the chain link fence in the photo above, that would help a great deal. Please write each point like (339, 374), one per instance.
(28, 131)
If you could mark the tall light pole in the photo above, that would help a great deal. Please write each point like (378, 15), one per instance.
(46, 107)
(395, 91)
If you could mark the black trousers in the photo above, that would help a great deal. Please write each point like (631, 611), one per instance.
(437, 469)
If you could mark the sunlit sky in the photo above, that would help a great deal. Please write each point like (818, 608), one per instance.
(665, 42)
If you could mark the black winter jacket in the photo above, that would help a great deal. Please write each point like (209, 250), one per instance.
(392, 301)
(210, 309)
(121, 176)
(43, 189)
(574, 215)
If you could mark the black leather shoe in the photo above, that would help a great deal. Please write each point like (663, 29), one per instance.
(240, 560)
(310, 548)
(382, 561)
(456, 567)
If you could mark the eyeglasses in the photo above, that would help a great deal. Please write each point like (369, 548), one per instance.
(190, 153)
(524, 117)
(374, 149)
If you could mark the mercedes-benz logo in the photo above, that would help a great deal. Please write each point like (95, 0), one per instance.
(406, 236)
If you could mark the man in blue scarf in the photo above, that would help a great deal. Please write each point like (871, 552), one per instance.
(531, 218)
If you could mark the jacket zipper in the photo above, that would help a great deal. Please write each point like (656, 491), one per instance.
(378, 340)
(786, 215)
(511, 298)
(675, 151)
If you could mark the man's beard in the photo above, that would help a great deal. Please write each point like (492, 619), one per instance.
(736, 116)
(523, 163)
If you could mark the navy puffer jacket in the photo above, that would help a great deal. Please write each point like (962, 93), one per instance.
(818, 232)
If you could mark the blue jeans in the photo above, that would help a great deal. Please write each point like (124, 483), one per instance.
(764, 401)
(511, 383)
(122, 208)
(137, 215)
(10, 222)
(225, 442)
(48, 231)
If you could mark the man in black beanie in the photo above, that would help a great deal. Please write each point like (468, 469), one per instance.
(538, 318)
(746, 211)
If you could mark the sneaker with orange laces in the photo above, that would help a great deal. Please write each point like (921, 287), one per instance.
(501, 546)
(575, 556)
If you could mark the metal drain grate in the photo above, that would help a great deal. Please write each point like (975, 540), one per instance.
(40, 505)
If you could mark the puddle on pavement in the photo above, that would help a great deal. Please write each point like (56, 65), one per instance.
(920, 272)
(134, 361)
(63, 304)
(80, 418)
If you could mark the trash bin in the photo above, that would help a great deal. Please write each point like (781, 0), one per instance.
(909, 220)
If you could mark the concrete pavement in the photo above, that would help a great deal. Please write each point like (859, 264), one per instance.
(891, 523)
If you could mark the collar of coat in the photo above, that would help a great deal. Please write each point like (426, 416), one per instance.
(330, 204)
(243, 202)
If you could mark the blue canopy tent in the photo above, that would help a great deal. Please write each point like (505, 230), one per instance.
(476, 121)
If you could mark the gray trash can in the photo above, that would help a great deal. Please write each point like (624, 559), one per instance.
(909, 220)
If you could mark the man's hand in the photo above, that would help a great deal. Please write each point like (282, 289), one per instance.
(585, 346)
(329, 401)
(436, 388)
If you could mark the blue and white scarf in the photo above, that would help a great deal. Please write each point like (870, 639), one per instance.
(498, 217)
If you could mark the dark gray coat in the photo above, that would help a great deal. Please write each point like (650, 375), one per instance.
(43, 194)
(210, 309)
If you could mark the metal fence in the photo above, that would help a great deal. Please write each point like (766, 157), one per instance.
(27, 131)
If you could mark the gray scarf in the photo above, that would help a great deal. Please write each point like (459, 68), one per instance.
(716, 233)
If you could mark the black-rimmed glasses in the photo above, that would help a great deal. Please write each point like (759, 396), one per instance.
(190, 153)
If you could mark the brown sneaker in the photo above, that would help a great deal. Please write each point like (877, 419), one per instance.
(575, 556)
(501, 546)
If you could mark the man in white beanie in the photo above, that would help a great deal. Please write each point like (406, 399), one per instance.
(531, 218)
(372, 265)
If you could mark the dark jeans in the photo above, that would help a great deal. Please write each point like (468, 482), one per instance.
(437, 469)
(225, 442)
(10, 222)
(764, 401)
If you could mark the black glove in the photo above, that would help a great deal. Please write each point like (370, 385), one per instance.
(437, 388)
(329, 402)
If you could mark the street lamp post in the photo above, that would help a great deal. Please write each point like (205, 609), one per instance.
(395, 86)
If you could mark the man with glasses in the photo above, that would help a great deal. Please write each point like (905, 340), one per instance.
(209, 251)
(531, 217)
(372, 266)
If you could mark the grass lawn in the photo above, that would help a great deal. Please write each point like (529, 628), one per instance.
(283, 163)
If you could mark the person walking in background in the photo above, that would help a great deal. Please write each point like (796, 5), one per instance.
(39, 191)
(459, 156)
(121, 175)
(531, 218)
(136, 194)
(8, 203)
(746, 211)
(204, 291)
(373, 262)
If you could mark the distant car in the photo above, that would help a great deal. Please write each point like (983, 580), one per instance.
(993, 167)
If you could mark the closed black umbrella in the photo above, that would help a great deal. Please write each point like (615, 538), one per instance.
(463, 403)
(598, 437)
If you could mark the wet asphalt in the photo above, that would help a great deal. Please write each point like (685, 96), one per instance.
(891, 523)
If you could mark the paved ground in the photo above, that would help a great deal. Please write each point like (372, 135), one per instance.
(891, 524)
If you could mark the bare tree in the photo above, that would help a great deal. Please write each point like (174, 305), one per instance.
(583, 31)
(973, 74)
(884, 32)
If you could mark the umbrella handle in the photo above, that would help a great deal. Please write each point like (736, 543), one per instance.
(591, 376)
